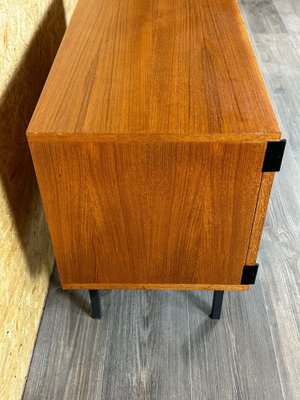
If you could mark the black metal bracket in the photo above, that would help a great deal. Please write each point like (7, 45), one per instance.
(95, 304)
(249, 274)
(217, 304)
(273, 156)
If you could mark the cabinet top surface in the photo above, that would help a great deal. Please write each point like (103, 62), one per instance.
(155, 70)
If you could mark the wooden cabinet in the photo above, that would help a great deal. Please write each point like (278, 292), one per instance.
(153, 144)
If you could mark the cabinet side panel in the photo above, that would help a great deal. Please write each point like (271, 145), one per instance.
(260, 214)
(156, 213)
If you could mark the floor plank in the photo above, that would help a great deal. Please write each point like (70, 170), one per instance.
(161, 345)
(290, 14)
(263, 16)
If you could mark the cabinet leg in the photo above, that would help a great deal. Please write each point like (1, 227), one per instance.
(95, 304)
(217, 304)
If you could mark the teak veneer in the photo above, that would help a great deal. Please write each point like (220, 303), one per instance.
(149, 143)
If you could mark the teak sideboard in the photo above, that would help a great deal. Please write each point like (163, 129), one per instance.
(155, 145)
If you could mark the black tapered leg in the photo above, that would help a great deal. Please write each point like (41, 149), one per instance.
(217, 304)
(95, 304)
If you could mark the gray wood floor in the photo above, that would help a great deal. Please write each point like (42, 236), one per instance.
(161, 345)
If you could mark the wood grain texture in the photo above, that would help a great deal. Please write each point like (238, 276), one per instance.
(134, 70)
(155, 345)
(153, 286)
(160, 213)
(260, 215)
(148, 142)
(30, 34)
